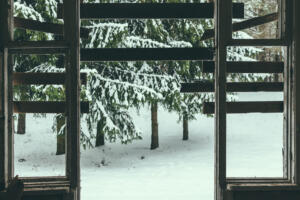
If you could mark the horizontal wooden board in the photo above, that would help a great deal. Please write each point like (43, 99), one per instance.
(263, 187)
(266, 195)
(138, 54)
(43, 179)
(45, 193)
(150, 10)
(197, 87)
(255, 180)
(256, 21)
(247, 107)
(32, 78)
(246, 67)
(233, 87)
(37, 47)
(45, 27)
(270, 191)
(258, 42)
(45, 107)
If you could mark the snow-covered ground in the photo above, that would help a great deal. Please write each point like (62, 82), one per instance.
(177, 170)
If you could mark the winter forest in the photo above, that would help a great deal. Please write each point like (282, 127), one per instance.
(142, 133)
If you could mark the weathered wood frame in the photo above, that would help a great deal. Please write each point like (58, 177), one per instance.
(287, 187)
(64, 187)
(223, 27)
(6, 121)
(225, 188)
(72, 63)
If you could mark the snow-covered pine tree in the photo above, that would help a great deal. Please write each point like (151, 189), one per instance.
(28, 10)
(114, 87)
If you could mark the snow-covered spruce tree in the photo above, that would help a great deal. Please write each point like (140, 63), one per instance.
(27, 9)
(114, 87)
(167, 34)
(117, 86)
(43, 11)
(120, 85)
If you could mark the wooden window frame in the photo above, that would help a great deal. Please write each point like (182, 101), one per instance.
(287, 187)
(61, 187)
(225, 188)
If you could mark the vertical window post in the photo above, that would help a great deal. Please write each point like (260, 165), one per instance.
(296, 89)
(6, 121)
(72, 37)
(223, 34)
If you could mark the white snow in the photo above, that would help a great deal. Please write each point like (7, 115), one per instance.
(177, 170)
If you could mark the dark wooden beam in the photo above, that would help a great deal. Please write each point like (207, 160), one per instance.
(296, 90)
(233, 87)
(32, 78)
(150, 10)
(46, 193)
(223, 26)
(208, 34)
(246, 67)
(258, 42)
(285, 32)
(255, 180)
(38, 47)
(45, 107)
(14, 190)
(265, 192)
(45, 27)
(71, 16)
(137, 54)
(247, 107)
(6, 95)
(113, 54)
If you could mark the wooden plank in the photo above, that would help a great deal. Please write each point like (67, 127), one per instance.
(256, 21)
(205, 86)
(246, 67)
(2, 117)
(138, 54)
(6, 138)
(263, 187)
(285, 19)
(296, 88)
(266, 195)
(258, 42)
(150, 10)
(46, 193)
(223, 26)
(45, 107)
(38, 47)
(45, 27)
(32, 180)
(20, 78)
(258, 181)
(233, 87)
(247, 107)
(115, 54)
(33, 184)
(71, 18)
(285, 22)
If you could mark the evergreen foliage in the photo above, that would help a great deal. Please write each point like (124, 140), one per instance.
(115, 87)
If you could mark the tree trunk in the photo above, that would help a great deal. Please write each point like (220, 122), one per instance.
(185, 128)
(154, 137)
(100, 139)
(21, 129)
(60, 148)
(21, 126)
